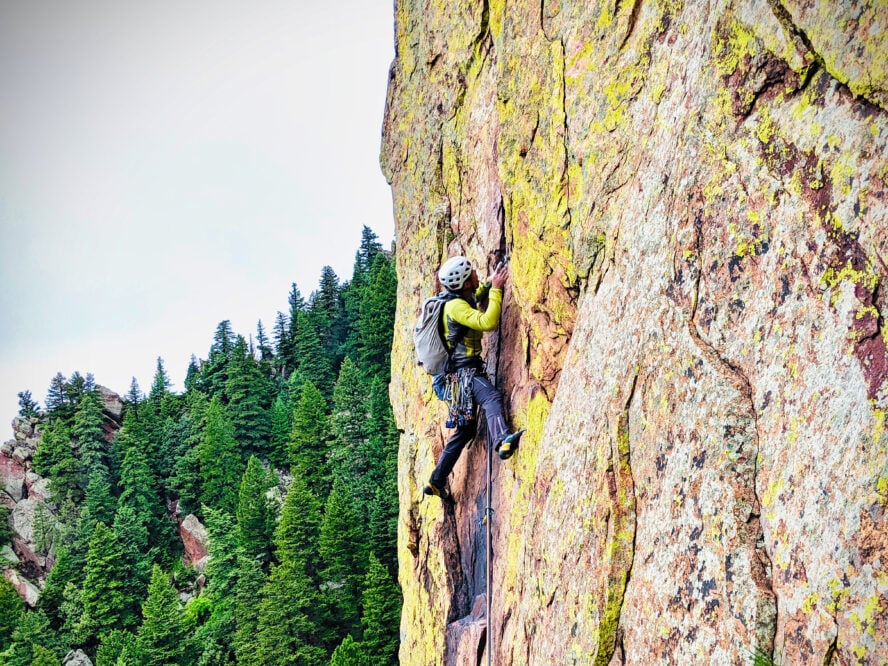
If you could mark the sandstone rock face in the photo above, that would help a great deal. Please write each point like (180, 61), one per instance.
(28, 591)
(111, 403)
(34, 527)
(196, 540)
(695, 200)
(12, 476)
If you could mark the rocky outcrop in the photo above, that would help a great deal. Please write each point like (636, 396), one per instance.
(27, 494)
(695, 200)
(196, 541)
(29, 592)
(76, 658)
(16, 480)
(112, 411)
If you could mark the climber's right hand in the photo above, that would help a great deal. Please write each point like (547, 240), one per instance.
(498, 279)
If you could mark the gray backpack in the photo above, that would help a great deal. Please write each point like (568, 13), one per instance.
(428, 335)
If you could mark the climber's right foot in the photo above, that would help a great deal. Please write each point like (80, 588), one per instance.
(509, 445)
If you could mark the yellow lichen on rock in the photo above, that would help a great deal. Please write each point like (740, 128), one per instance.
(694, 200)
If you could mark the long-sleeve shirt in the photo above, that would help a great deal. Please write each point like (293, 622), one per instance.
(464, 325)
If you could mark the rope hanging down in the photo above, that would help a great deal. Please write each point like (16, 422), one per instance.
(488, 510)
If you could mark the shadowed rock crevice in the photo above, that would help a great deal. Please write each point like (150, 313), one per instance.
(621, 522)
(744, 479)
(876, 101)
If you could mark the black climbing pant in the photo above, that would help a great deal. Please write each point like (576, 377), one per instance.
(488, 398)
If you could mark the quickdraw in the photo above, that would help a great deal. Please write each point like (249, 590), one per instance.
(459, 397)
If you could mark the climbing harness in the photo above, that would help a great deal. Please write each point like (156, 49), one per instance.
(459, 397)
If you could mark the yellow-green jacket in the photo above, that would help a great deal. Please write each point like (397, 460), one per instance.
(464, 325)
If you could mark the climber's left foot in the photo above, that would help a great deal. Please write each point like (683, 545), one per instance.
(434, 491)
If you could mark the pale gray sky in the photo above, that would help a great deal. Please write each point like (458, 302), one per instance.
(167, 165)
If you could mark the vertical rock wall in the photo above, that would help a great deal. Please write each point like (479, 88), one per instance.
(695, 199)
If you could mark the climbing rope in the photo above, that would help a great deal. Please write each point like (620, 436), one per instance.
(488, 510)
(488, 518)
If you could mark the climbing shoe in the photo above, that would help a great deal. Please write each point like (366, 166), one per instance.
(432, 490)
(509, 445)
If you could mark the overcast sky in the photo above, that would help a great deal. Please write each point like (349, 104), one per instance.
(167, 165)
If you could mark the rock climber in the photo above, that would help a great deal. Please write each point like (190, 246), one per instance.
(464, 323)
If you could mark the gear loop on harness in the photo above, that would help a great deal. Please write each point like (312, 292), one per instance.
(459, 396)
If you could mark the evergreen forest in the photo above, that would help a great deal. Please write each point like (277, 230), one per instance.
(283, 446)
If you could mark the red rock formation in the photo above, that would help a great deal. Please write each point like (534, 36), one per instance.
(195, 539)
(695, 199)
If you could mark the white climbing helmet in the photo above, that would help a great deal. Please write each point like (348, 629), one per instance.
(455, 272)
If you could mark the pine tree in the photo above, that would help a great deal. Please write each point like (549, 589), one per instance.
(249, 400)
(350, 653)
(11, 609)
(55, 396)
(55, 460)
(376, 320)
(160, 638)
(137, 484)
(283, 345)
(220, 460)
(314, 360)
(296, 303)
(43, 657)
(192, 375)
(349, 406)
(99, 503)
(286, 633)
(308, 440)
(381, 422)
(114, 646)
(356, 291)
(297, 533)
(381, 601)
(31, 633)
(89, 435)
(172, 434)
(5, 529)
(28, 407)
(354, 457)
(138, 492)
(77, 387)
(266, 354)
(160, 387)
(281, 425)
(367, 251)
(215, 634)
(132, 534)
(186, 479)
(341, 551)
(251, 581)
(327, 314)
(134, 395)
(291, 615)
(68, 570)
(214, 373)
(255, 514)
(222, 566)
(102, 595)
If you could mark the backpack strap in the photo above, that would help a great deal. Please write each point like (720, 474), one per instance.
(447, 296)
